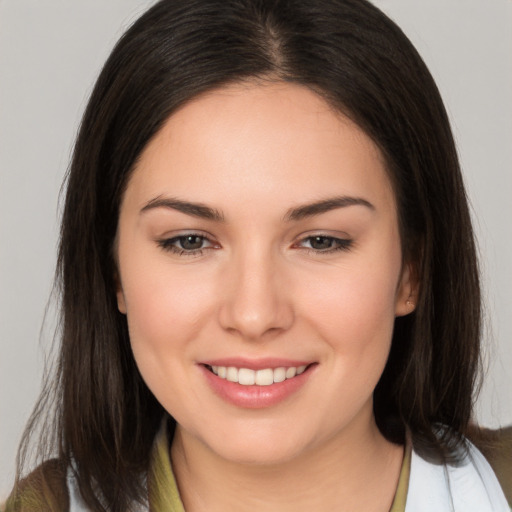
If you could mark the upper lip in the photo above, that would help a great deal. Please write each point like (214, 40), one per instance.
(256, 364)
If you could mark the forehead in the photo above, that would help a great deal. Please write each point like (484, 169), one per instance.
(277, 142)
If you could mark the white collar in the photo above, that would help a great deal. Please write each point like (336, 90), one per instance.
(470, 487)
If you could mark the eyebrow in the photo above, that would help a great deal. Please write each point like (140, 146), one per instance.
(325, 205)
(195, 209)
(294, 214)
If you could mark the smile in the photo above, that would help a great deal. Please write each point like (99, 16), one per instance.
(263, 377)
(257, 384)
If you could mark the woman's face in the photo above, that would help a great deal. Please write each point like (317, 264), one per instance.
(258, 235)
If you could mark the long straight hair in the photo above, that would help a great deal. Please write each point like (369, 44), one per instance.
(352, 55)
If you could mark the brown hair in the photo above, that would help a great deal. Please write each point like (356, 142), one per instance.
(362, 64)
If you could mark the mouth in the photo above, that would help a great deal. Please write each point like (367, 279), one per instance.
(262, 377)
(256, 384)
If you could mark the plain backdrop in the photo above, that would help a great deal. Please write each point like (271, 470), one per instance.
(50, 55)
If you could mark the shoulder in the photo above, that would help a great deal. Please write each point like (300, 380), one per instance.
(496, 446)
(43, 490)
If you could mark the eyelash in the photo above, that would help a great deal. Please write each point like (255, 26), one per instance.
(340, 244)
(169, 244)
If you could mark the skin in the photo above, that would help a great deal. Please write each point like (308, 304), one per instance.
(261, 288)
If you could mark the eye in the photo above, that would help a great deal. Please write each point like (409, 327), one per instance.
(187, 244)
(325, 244)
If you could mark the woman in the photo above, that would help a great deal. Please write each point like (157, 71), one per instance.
(270, 294)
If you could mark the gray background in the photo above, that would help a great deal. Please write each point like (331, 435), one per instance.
(50, 54)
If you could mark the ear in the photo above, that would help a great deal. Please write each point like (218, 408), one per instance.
(121, 302)
(407, 291)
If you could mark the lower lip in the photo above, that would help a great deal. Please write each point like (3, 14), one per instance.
(255, 397)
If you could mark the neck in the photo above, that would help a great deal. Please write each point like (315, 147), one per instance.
(356, 470)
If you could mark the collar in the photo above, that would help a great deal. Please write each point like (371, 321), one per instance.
(471, 486)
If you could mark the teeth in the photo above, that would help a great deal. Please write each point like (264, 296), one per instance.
(264, 377)
(232, 374)
(290, 372)
(246, 377)
(279, 374)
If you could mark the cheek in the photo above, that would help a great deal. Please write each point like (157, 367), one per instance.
(353, 310)
(356, 321)
(165, 306)
(357, 304)
(165, 315)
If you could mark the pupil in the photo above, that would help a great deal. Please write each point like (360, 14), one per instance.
(191, 242)
(321, 242)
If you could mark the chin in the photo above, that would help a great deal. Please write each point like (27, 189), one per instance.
(258, 455)
(259, 446)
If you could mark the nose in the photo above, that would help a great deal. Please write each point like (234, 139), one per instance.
(256, 301)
